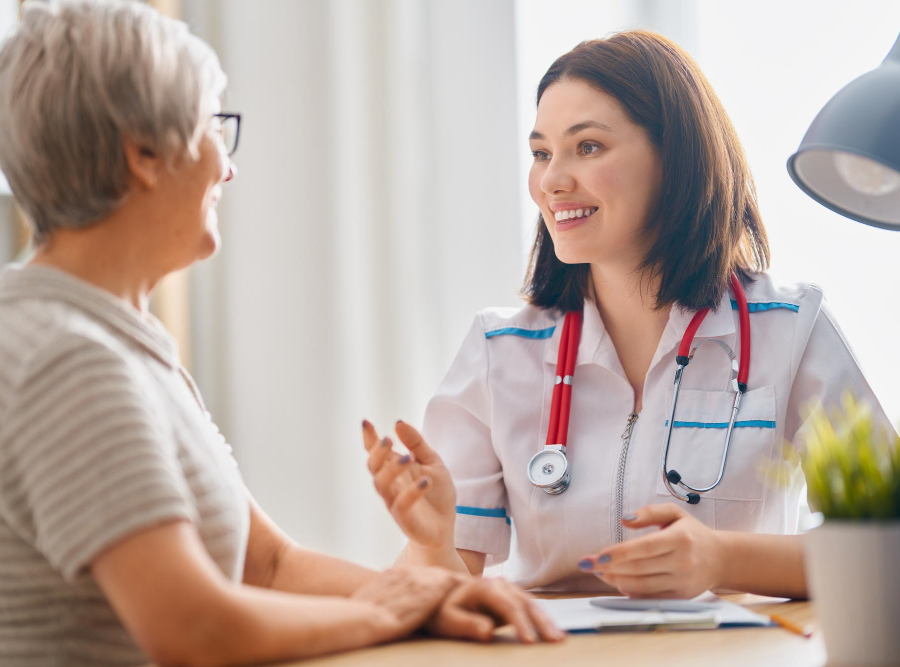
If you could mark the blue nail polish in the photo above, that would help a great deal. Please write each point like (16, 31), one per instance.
(406, 458)
(585, 565)
(423, 483)
(629, 517)
(605, 558)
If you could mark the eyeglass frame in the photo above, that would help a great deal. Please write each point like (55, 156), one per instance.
(237, 132)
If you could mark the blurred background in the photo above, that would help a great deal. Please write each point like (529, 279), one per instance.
(381, 201)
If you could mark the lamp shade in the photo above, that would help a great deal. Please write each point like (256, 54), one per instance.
(849, 159)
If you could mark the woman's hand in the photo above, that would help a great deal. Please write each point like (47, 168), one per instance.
(450, 605)
(475, 608)
(682, 560)
(416, 488)
(408, 597)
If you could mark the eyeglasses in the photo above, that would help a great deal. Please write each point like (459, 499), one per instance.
(230, 128)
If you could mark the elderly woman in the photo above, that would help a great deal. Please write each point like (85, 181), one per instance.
(126, 532)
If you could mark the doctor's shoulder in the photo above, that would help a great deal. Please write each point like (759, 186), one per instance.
(813, 321)
(804, 299)
(525, 321)
(499, 336)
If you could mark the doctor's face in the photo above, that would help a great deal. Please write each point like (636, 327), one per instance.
(595, 175)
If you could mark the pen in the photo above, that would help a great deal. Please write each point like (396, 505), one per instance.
(782, 622)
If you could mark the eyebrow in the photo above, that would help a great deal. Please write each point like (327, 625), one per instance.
(575, 129)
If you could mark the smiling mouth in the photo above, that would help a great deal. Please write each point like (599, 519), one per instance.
(574, 214)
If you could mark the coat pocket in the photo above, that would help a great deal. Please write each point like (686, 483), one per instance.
(698, 441)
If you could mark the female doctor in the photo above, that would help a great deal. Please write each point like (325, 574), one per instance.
(555, 417)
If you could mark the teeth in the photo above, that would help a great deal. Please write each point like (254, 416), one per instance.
(574, 213)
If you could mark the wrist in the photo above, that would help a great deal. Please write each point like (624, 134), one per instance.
(439, 555)
(724, 551)
(379, 626)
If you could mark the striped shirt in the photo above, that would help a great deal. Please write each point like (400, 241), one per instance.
(102, 434)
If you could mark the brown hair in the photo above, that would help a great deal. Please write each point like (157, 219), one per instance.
(705, 223)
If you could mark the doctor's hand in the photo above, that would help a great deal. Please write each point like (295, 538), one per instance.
(416, 488)
(682, 560)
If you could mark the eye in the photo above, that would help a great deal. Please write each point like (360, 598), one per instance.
(589, 147)
(540, 156)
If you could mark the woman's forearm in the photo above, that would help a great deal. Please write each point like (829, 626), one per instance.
(258, 625)
(299, 570)
(763, 564)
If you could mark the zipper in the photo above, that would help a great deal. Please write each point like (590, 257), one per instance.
(620, 475)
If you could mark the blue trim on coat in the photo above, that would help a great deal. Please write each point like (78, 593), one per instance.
(760, 307)
(747, 423)
(496, 513)
(523, 333)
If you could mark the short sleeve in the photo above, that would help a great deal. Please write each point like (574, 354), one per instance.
(457, 425)
(826, 369)
(85, 459)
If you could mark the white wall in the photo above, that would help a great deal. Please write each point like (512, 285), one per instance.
(375, 210)
(774, 65)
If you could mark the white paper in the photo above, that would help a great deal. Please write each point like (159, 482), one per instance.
(580, 614)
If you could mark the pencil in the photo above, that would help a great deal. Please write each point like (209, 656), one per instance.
(782, 622)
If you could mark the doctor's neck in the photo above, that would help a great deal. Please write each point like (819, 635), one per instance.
(622, 288)
(626, 306)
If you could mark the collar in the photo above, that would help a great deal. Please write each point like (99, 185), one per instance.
(43, 282)
(593, 333)
(596, 347)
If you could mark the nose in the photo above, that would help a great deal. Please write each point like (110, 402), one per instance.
(231, 173)
(557, 178)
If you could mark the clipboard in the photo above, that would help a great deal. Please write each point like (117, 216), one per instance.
(620, 614)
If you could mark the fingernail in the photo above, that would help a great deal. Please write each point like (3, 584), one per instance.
(629, 517)
(585, 565)
(423, 483)
(405, 459)
(365, 423)
(605, 558)
(400, 421)
(385, 442)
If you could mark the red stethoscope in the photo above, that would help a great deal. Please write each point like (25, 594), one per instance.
(549, 468)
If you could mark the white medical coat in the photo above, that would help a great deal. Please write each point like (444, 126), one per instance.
(490, 416)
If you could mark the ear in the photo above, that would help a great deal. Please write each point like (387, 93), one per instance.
(144, 165)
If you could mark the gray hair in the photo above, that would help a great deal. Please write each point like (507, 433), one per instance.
(75, 79)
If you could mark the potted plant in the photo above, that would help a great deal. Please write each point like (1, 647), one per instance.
(852, 470)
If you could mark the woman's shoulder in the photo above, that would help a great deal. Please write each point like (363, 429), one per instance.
(38, 336)
(526, 321)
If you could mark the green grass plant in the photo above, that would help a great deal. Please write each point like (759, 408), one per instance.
(852, 466)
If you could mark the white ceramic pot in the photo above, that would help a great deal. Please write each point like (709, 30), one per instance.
(853, 571)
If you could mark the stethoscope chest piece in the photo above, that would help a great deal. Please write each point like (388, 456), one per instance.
(549, 469)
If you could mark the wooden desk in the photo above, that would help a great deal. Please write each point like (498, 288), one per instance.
(759, 647)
